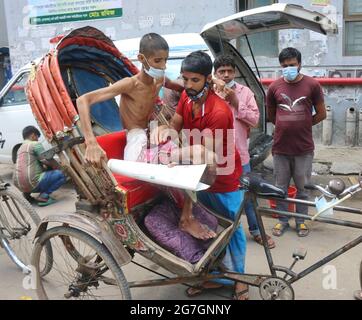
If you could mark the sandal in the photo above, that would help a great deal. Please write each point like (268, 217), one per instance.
(279, 229)
(258, 239)
(358, 295)
(241, 294)
(46, 203)
(302, 230)
(198, 289)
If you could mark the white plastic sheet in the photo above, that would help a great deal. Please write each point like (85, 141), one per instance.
(180, 176)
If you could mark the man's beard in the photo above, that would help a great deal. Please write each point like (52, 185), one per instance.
(191, 92)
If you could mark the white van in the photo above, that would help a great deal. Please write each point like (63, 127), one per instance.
(15, 114)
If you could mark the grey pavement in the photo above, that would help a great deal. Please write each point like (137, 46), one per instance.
(337, 280)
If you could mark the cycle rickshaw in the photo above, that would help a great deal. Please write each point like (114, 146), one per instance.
(91, 245)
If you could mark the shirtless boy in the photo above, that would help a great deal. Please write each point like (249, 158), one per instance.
(138, 97)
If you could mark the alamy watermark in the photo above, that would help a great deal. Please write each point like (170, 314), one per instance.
(213, 147)
(329, 281)
(30, 280)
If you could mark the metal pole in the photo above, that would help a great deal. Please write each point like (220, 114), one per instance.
(263, 235)
(312, 204)
(332, 256)
(306, 217)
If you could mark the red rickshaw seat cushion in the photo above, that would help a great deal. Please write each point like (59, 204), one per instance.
(137, 192)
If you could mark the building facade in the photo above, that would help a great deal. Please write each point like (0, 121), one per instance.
(333, 56)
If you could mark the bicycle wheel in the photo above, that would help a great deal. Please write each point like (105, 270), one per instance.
(18, 224)
(90, 274)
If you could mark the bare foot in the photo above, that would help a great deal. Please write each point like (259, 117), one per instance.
(196, 229)
(358, 295)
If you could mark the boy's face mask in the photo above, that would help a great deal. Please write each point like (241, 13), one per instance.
(290, 73)
(154, 72)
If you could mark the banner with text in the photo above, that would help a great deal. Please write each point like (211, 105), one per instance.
(57, 11)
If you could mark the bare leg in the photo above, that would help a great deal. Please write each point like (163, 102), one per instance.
(191, 225)
(195, 154)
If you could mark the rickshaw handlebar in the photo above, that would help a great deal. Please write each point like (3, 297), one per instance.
(327, 192)
(324, 191)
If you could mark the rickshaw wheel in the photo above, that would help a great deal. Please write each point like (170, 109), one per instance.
(19, 222)
(360, 274)
(93, 275)
(276, 289)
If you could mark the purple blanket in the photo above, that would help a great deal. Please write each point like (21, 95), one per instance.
(162, 223)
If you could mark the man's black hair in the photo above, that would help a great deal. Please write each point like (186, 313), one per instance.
(197, 62)
(223, 61)
(152, 42)
(290, 53)
(29, 130)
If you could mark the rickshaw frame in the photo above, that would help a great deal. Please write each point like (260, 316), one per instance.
(257, 279)
(94, 225)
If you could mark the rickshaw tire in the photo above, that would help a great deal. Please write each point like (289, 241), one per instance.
(13, 193)
(89, 240)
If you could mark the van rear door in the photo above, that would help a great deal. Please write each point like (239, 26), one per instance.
(222, 35)
(274, 17)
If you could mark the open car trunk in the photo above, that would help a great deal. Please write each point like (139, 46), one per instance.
(222, 36)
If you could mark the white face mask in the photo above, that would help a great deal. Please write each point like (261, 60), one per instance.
(230, 84)
(154, 72)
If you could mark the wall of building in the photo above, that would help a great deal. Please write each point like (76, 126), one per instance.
(3, 43)
(319, 52)
(3, 33)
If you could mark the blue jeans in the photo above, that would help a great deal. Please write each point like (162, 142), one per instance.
(227, 204)
(249, 210)
(51, 181)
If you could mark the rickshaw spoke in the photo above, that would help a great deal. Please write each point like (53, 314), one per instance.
(83, 268)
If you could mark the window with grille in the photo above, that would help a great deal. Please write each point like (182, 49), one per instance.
(353, 27)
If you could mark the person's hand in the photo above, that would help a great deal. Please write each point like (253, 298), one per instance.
(159, 135)
(230, 96)
(172, 164)
(209, 175)
(218, 85)
(94, 154)
(229, 93)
